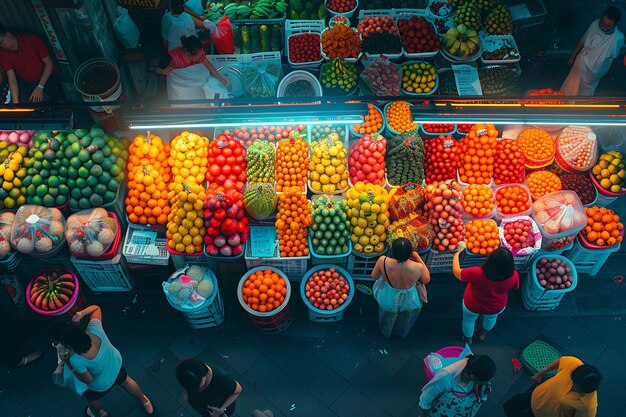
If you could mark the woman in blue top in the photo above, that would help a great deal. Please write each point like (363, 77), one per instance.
(395, 288)
(95, 364)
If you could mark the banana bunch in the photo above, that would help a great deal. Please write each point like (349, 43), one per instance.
(230, 10)
(461, 41)
(260, 162)
(268, 9)
(214, 11)
(260, 9)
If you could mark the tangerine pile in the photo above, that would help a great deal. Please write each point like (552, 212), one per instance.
(537, 146)
(512, 200)
(482, 236)
(264, 290)
(399, 117)
(373, 121)
(292, 166)
(603, 227)
(478, 154)
(148, 176)
(292, 221)
(478, 201)
(543, 182)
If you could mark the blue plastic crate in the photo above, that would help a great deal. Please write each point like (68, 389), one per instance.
(319, 315)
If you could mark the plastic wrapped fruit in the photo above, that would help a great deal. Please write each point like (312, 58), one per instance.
(227, 163)
(328, 171)
(509, 164)
(293, 219)
(478, 155)
(404, 159)
(90, 233)
(6, 222)
(366, 161)
(576, 148)
(482, 236)
(38, 230)
(520, 235)
(330, 231)
(440, 159)
(292, 168)
(560, 216)
(226, 223)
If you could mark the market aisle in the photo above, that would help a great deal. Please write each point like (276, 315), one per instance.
(343, 369)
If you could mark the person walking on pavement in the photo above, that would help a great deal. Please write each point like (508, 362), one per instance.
(29, 67)
(14, 333)
(486, 291)
(572, 392)
(458, 389)
(594, 54)
(210, 391)
(398, 278)
(94, 362)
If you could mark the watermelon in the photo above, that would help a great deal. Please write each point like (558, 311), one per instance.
(260, 200)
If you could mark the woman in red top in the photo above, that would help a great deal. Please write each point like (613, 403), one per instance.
(486, 291)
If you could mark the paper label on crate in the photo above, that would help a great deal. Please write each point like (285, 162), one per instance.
(263, 241)
(467, 81)
(520, 11)
(143, 237)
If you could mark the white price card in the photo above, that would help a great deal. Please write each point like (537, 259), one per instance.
(467, 81)
(263, 241)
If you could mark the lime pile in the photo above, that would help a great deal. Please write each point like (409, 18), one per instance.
(46, 181)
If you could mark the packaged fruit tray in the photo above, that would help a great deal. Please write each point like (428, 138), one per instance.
(294, 28)
(492, 43)
(432, 90)
(363, 14)
(534, 229)
(407, 14)
(500, 215)
(443, 12)
(455, 59)
(347, 14)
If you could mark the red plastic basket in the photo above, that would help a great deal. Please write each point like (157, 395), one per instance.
(604, 191)
(587, 245)
(58, 311)
(173, 252)
(109, 254)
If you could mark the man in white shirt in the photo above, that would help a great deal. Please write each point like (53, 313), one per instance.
(594, 54)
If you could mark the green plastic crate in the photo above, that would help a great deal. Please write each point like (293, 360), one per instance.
(538, 355)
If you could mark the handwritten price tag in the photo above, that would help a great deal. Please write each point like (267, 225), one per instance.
(467, 81)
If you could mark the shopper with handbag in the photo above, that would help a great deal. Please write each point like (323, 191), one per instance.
(400, 288)
(92, 366)
(487, 290)
(458, 389)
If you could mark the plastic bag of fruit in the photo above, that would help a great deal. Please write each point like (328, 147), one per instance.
(6, 222)
(382, 76)
(408, 199)
(576, 148)
(414, 228)
(560, 216)
(190, 287)
(261, 78)
(90, 233)
(520, 235)
(38, 230)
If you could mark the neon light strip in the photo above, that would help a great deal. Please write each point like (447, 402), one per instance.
(253, 123)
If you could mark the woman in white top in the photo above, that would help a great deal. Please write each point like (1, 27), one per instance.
(459, 389)
(91, 363)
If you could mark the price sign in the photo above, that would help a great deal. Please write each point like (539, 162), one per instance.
(467, 81)
(263, 241)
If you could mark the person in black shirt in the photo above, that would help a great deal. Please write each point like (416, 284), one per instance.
(15, 332)
(210, 391)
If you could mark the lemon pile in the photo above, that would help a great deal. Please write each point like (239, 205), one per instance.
(609, 171)
(12, 173)
(188, 157)
(185, 226)
(368, 209)
(328, 171)
(419, 78)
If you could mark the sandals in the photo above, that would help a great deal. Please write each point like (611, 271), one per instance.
(480, 335)
(147, 406)
(30, 358)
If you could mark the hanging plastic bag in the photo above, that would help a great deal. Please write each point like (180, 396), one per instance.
(125, 29)
(261, 78)
(90, 233)
(38, 230)
(214, 89)
(222, 35)
(382, 76)
(6, 222)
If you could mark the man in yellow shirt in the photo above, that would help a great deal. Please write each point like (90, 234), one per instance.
(572, 392)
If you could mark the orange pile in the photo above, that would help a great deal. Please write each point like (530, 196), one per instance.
(399, 117)
(264, 290)
(148, 176)
(292, 221)
(512, 199)
(478, 154)
(482, 236)
(542, 182)
(373, 121)
(603, 227)
(292, 166)
(537, 146)
(478, 201)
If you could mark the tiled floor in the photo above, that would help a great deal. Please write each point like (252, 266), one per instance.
(337, 370)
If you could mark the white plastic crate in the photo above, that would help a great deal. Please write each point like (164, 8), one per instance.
(439, 262)
(108, 275)
(381, 13)
(361, 266)
(589, 261)
(294, 267)
(156, 254)
(298, 27)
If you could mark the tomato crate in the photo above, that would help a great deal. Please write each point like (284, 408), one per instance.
(360, 265)
(439, 262)
(111, 275)
(293, 267)
(587, 260)
(141, 249)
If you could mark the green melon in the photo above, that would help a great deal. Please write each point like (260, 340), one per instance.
(260, 200)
